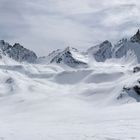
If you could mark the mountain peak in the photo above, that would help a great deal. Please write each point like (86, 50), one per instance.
(16, 44)
(106, 42)
(69, 57)
(70, 49)
(138, 32)
(67, 48)
(136, 37)
(17, 52)
(102, 51)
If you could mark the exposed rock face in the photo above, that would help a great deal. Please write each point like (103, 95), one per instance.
(67, 58)
(128, 47)
(137, 89)
(101, 52)
(125, 47)
(136, 37)
(17, 52)
(132, 92)
(119, 49)
(136, 69)
(104, 51)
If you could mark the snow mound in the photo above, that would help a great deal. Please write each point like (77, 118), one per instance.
(7, 85)
(103, 77)
(71, 77)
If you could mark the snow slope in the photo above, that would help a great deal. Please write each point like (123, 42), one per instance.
(40, 102)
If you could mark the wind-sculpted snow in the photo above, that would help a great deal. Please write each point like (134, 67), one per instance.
(103, 77)
(71, 77)
(51, 102)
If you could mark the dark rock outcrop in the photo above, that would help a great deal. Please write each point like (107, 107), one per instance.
(17, 52)
(137, 89)
(136, 69)
(136, 37)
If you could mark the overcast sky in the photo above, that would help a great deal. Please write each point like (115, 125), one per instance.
(45, 25)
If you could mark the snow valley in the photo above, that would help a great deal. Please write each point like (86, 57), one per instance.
(71, 95)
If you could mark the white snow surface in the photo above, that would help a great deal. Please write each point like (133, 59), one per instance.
(53, 102)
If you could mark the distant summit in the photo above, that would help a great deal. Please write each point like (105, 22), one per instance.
(70, 57)
(17, 52)
(102, 51)
(136, 37)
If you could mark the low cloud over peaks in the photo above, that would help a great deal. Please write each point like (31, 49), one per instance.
(50, 24)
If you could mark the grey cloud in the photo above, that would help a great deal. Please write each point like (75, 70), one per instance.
(12, 23)
(44, 25)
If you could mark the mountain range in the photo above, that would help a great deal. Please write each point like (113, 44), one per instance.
(72, 57)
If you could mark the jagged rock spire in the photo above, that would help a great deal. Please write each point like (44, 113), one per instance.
(136, 37)
(138, 32)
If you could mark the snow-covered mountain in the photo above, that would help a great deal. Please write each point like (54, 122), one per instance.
(128, 47)
(70, 95)
(101, 52)
(74, 58)
(17, 52)
(47, 59)
(124, 48)
(136, 37)
(69, 56)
